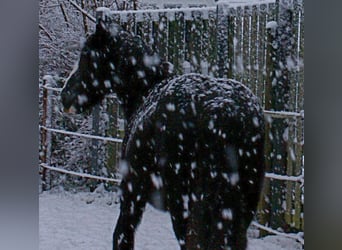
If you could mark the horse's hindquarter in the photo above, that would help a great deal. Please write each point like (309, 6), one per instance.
(199, 137)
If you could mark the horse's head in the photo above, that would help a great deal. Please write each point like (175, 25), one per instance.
(94, 73)
(112, 60)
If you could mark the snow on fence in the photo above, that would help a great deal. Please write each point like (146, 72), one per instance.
(61, 170)
(234, 41)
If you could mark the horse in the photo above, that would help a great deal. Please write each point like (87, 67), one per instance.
(193, 144)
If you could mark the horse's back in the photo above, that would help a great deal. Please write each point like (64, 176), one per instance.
(201, 133)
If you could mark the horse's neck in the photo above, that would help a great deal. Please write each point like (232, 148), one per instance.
(137, 89)
(134, 96)
(130, 107)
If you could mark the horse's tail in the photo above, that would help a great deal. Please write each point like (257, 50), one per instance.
(217, 219)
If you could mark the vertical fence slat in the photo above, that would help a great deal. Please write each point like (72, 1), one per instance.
(172, 41)
(176, 42)
(264, 205)
(212, 46)
(238, 38)
(93, 167)
(112, 131)
(298, 206)
(188, 39)
(144, 28)
(181, 40)
(205, 44)
(301, 61)
(262, 38)
(296, 51)
(255, 48)
(160, 29)
(247, 50)
(289, 194)
(223, 31)
(231, 47)
(196, 31)
(163, 36)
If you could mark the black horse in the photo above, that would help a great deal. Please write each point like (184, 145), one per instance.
(193, 144)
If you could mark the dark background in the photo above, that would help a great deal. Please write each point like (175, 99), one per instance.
(19, 205)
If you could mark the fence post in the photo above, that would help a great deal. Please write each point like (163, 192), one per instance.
(264, 206)
(45, 154)
(112, 131)
(94, 142)
(279, 101)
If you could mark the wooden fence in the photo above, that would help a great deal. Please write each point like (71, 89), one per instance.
(226, 41)
(247, 43)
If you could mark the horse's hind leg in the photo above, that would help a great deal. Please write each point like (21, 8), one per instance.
(235, 238)
(228, 234)
(179, 224)
(238, 238)
(179, 217)
(133, 202)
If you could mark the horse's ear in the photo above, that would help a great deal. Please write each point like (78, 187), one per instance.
(87, 35)
(101, 27)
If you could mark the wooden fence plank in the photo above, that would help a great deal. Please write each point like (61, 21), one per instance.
(264, 205)
(212, 46)
(238, 39)
(196, 48)
(247, 51)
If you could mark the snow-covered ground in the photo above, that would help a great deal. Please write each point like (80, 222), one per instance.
(79, 221)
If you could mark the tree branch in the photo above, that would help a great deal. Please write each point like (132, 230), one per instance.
(84, 18)
(95, 4)
(64, 14)
(46, 32)
(93, 19)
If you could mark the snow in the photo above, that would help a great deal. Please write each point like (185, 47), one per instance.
(78, 221)
(250, 2)
(234, 4)
(84, 175)
(103, 9)
(81, 135)
(271, 25)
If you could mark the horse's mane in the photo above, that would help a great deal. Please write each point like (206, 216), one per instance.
(137, 65)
